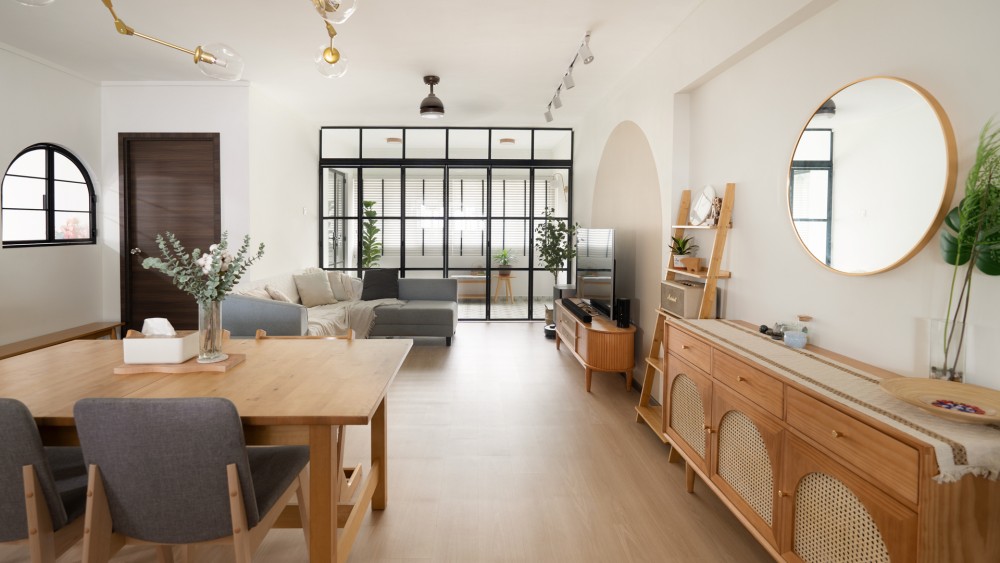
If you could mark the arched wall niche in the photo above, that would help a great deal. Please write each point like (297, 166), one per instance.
(627, 199)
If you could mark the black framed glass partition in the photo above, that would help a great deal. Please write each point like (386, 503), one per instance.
(447, 202)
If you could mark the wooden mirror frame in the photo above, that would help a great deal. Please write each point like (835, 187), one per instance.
(947, 194)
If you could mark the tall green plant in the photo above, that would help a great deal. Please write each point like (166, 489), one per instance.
(972, 239)
(553, 242)
(371, 247)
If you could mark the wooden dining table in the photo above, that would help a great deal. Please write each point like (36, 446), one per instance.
(286, 391)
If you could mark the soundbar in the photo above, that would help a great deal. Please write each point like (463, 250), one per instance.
(572, 307)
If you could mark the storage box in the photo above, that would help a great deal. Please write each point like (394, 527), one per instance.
(160, 349)
(682, 298)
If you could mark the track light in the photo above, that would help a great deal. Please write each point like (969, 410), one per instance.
(582, 53)
(431, 107)
(216, 60)
(568, 81)
(585, 54)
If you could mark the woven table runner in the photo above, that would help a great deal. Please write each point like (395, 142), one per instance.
(960, 449)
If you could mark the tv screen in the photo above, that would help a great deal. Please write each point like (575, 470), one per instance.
(595, 267)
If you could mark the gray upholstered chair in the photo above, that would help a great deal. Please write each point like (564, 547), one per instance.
(178, 472)
(42, 490)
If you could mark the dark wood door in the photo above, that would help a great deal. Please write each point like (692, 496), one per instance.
(169, 182)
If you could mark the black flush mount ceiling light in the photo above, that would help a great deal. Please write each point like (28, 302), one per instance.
(431, 107)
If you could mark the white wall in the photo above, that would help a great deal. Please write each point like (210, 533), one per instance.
(197, 107)
(284, 183)
(744, 122)
(47, 289)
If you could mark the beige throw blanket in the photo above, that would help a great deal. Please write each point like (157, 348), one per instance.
(338, 318)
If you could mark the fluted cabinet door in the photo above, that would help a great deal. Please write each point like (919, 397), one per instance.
(831, 514)
(746, 450)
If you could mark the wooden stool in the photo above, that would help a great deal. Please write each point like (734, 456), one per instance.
(508, 291)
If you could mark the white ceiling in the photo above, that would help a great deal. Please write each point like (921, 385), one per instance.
(499, 62)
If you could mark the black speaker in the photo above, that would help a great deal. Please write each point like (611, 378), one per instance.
(623, 312)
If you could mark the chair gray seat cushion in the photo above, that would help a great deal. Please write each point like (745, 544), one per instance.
(273, 468)
(417, 312)
(70, 473)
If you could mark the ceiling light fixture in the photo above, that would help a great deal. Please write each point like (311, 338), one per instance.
(329, 62)
(431, 107)
(335, 11)
(35, 2)
(583, 53)
(393, 140)
(507, 141)
(216, 60)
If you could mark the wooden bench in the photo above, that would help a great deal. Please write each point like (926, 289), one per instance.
(90, 331)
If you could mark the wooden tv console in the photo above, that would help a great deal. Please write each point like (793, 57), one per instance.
(599, 345)
(813, 478)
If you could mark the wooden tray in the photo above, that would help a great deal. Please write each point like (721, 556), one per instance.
(190, 366)
(961, 402)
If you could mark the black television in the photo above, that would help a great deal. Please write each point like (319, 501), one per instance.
(595, 268)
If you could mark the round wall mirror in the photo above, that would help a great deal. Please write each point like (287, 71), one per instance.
(872, 176)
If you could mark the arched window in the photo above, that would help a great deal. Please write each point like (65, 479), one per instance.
(46, 199)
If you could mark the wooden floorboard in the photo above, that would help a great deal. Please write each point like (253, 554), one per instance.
(496, 453)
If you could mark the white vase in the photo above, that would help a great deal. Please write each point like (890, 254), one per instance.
(677, 260)
(210, 333)
(947, 358)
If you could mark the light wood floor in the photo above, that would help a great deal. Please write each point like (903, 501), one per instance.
(498, 454)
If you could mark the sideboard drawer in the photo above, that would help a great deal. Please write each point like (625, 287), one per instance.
(689, 349)
(883, 458)
(762, 389)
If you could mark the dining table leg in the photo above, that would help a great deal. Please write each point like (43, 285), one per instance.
(380, 457)
(324, 493)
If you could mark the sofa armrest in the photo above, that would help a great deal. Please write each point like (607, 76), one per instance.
(428, 289)
(243, 315)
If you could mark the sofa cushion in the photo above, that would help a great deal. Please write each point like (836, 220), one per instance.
(258, 292)
(381, 284)
(343, 286)
(417, 313)
(314, 289)
(277, 294)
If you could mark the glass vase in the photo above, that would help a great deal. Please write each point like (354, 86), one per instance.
(948, 342)
(210, 333)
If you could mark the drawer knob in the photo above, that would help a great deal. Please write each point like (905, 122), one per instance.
(836, 434)
(782, 494)
(685, 347)
(740, 378)
(709, 429)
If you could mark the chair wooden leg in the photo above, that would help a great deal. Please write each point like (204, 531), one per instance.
(184, 551)
(164, 554)
(237, 511)
(41, 538)
(99, 542)
(302, 494)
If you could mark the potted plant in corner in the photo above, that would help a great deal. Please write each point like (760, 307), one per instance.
(682, 248)
(504, 259)
(554, 238)
(371, 248)
(971, 237)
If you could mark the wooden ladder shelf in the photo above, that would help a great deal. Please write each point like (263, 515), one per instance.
(653, 415)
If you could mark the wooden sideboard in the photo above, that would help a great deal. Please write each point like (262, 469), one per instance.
(812, 479)
(598, 345)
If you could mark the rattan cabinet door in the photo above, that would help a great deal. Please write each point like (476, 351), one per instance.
(688, 399)
(746, 454)
(829, 513)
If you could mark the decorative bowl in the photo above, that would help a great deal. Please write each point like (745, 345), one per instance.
(961, 402)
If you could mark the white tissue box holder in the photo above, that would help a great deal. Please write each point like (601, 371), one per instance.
(160, 349)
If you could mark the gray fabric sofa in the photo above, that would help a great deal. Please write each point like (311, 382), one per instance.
(426, 307)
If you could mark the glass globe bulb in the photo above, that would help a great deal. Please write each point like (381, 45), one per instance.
(337, 11)
(35, 2)
(328, 70)
(228, 63)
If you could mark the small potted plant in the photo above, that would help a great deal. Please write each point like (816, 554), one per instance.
(682, 248)
(504, 259)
